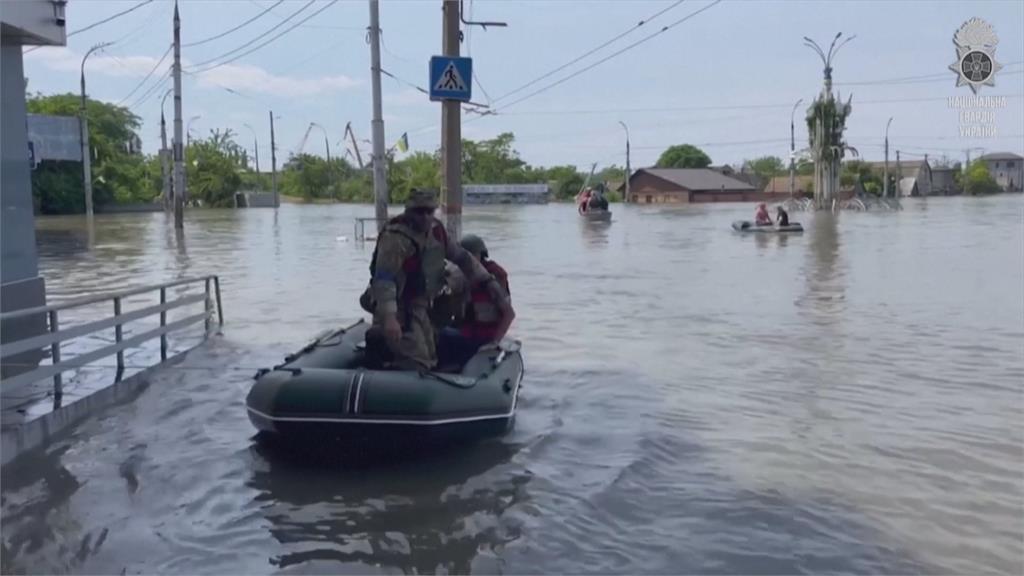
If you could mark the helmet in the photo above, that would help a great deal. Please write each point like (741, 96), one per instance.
(421, 199)
(475, 244)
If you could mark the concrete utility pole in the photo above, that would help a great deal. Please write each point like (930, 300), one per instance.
(273, 162)
(83, 123)
(898, 192)
(255, 145)
(179, 155)
(792, 150)
(380, 185)
(451, 131)
(885, 180)
(625, 199)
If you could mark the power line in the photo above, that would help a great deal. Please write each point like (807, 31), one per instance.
(588, 53)
(913, 79)
(139, 85)
(273, 38)
(100, 23)
(152, 90)
(226, 32)
(318, 26)
(406, 82)
(613, 55)
(256, 39)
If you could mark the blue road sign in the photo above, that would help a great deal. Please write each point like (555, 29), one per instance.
(451, 78)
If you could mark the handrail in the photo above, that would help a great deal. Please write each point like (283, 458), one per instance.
(87, 300)
(54, 335)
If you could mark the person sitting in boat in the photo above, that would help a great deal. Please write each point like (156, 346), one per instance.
(761, 218)
(485, 320)
(781, 216)
(583, 201)
(597, 201)
(406, 274)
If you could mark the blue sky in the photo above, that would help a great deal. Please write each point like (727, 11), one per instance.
(726, 79)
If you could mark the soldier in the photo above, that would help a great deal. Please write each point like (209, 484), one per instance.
(407, 273)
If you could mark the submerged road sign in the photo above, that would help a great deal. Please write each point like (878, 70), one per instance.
(451, 78)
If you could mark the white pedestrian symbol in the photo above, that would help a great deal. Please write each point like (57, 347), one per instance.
(451, 80)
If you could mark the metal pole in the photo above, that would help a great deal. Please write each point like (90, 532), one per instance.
(885, 181)
(380, 185)
(255, 145)
(330, 169)
(898, 191)
(273, 161)
(58, 387)
(163, 323)
(165, 173)
(451, 131)
(628, 171)
(792, 150)
(179, 156)
(83, 124)
(117, 339)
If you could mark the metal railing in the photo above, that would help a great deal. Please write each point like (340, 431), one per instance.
(54, 336)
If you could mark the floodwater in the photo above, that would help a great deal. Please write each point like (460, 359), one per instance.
(696, 401)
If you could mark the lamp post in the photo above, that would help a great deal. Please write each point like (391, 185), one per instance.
(255, 145)
(165, 160)
(188, 130)
(885, 182)
(628, 171)
(327, 145)
(84, 126)
(792, 149)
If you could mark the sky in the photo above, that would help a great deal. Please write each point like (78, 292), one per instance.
(725, 79)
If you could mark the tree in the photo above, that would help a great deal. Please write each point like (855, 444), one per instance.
(683, 156)
(978, 180)
(492, 161)
(765, 167)
(214, 169)
(119, 173)
(859, 171)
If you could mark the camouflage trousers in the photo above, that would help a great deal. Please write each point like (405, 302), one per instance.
(417, 350)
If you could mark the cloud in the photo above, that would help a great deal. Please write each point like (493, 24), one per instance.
(255, 79)
(66, 60)
(407, 97)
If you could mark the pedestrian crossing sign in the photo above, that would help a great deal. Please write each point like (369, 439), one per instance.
(451, 78)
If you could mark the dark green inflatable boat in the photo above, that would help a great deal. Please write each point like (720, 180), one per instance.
(325, 392)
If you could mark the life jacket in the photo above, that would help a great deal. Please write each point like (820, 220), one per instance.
(483, 314)
(424, 268)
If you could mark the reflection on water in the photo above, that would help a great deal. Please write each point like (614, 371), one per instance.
(696, 401)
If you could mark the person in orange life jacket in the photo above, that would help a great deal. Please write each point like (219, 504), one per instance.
(407, 273)
(485, 321)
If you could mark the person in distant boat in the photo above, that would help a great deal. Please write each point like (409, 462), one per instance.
(583, 201)
(407, 274)
(486, 320)
(597, 201)
(761, 218)
(781, 216)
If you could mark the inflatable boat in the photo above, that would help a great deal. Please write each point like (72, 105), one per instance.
(748, 226)
(326, 392)
(597, 215)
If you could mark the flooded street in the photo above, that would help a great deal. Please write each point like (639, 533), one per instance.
(696, 401)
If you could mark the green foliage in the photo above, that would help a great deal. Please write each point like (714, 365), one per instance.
(978, 180)
(214, 169)
(118, 175)
(765, 167)
(492, 161)
(683, 156)
(860, 171)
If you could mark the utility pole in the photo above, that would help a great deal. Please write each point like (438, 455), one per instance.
(255, 146)
(898, 192)
(165, 156)
(885, 178)
(380, 185)
(179, 156)
(792, 150)
(629, 172)
(273, 161)
(83, 124)
(451, 131)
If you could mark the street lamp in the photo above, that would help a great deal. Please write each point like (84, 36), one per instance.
(327, 145)
(792, 149)
(885, 182)
(165, 161)
(629, 173)
(84, 126)
(255, 145)
(188, 130)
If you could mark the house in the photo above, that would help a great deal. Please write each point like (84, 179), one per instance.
(1008, 170)
(687, 185)
(914, 179)
(944, 181)
(506, 193)
(803, 186)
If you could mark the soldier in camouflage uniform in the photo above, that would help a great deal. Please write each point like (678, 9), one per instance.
(407, 273)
